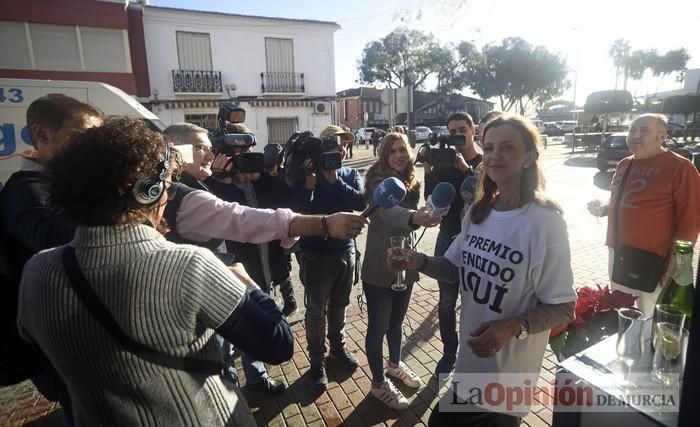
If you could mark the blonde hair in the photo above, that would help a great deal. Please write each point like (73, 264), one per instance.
(380, 169)
(532, 182)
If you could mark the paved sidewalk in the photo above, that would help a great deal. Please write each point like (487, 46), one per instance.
(347, 401)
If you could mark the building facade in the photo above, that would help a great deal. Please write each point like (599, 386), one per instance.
(353, 104)
(92, 40)
(281, 71)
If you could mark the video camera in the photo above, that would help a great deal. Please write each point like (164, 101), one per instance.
(444, 155)
(225, 142)
(303, 146)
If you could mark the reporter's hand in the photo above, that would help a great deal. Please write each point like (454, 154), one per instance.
(331, 176)
(345, 226)
(222, 162)
(411, 260)
(490, 337)
(596, 208)
(222, 165)
(461, 164)
(422, 218)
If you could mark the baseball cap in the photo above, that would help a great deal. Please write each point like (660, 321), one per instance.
(337, 130)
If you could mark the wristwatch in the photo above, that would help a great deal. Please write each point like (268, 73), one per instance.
(523, 331)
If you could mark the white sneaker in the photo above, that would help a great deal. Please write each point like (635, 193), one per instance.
(390, 395)
(405, 375)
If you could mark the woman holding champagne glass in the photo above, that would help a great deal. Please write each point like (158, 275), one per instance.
(512, 262)
(386, 307)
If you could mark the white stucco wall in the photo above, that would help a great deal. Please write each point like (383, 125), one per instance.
(238, 49)
(256, 119)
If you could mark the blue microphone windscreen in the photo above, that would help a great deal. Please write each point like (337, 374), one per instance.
(469, 185)
(442, 194)
(389, 193)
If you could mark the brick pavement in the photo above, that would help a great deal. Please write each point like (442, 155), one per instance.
(346, 401)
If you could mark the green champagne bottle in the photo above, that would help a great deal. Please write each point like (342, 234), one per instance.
(679, 291)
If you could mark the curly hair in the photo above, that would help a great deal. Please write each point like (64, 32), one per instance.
(532, 182)
(92, 179)
(381, 170)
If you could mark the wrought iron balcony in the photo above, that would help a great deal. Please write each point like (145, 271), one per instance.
(196, 81)
(283, 82)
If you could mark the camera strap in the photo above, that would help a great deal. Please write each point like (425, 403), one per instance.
(100, 312)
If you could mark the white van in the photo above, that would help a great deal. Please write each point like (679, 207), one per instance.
(17, 94)
(567, 125)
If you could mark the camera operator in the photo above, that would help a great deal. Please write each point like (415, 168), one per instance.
(267, 263)
(467, 159)
(273, 160)
(328, 264)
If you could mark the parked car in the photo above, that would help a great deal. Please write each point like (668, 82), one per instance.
(439, 130)
(552, 129)
(423, 133)
(612, 151)
(539, 125)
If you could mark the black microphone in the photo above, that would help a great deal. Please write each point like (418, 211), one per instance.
(388, 194)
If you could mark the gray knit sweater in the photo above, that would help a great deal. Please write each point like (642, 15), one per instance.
(168, 297)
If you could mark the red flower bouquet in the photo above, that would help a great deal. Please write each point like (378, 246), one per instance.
(595, 320)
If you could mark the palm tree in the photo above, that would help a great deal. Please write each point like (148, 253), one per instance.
(619, 53)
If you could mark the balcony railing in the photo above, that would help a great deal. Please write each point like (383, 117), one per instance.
(282, 82)
(196, 81)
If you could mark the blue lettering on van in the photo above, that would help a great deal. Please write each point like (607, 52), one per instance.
(14, 95)
(8, 144)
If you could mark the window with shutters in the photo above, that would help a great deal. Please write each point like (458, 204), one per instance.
(280, 129)
(280, 76)
(207, 121)
(14, 46)
(193, 51)
(63, 48)
(195, 74)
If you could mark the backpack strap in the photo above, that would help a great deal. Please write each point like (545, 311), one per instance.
(100, 312)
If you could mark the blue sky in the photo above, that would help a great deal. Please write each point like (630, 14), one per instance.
(581, 31)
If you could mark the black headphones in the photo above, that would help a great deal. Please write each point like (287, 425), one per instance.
(147, 191)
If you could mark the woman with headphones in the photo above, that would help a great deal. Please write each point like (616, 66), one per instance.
(126, 317)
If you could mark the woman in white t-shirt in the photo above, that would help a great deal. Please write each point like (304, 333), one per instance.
(512, 261)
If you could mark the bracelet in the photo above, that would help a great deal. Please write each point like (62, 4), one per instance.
(423, 264)
(324, 227)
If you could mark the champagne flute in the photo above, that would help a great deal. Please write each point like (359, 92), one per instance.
(629, 331)
(399, 252)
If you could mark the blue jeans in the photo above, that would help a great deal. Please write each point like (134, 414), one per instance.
(447, 305)
(327, 279)
(386, 310)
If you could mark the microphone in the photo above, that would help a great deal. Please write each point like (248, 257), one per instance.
(468, 189)
(439, 201)
(388, 194)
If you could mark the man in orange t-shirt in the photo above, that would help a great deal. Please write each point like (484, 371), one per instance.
(660, 202)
